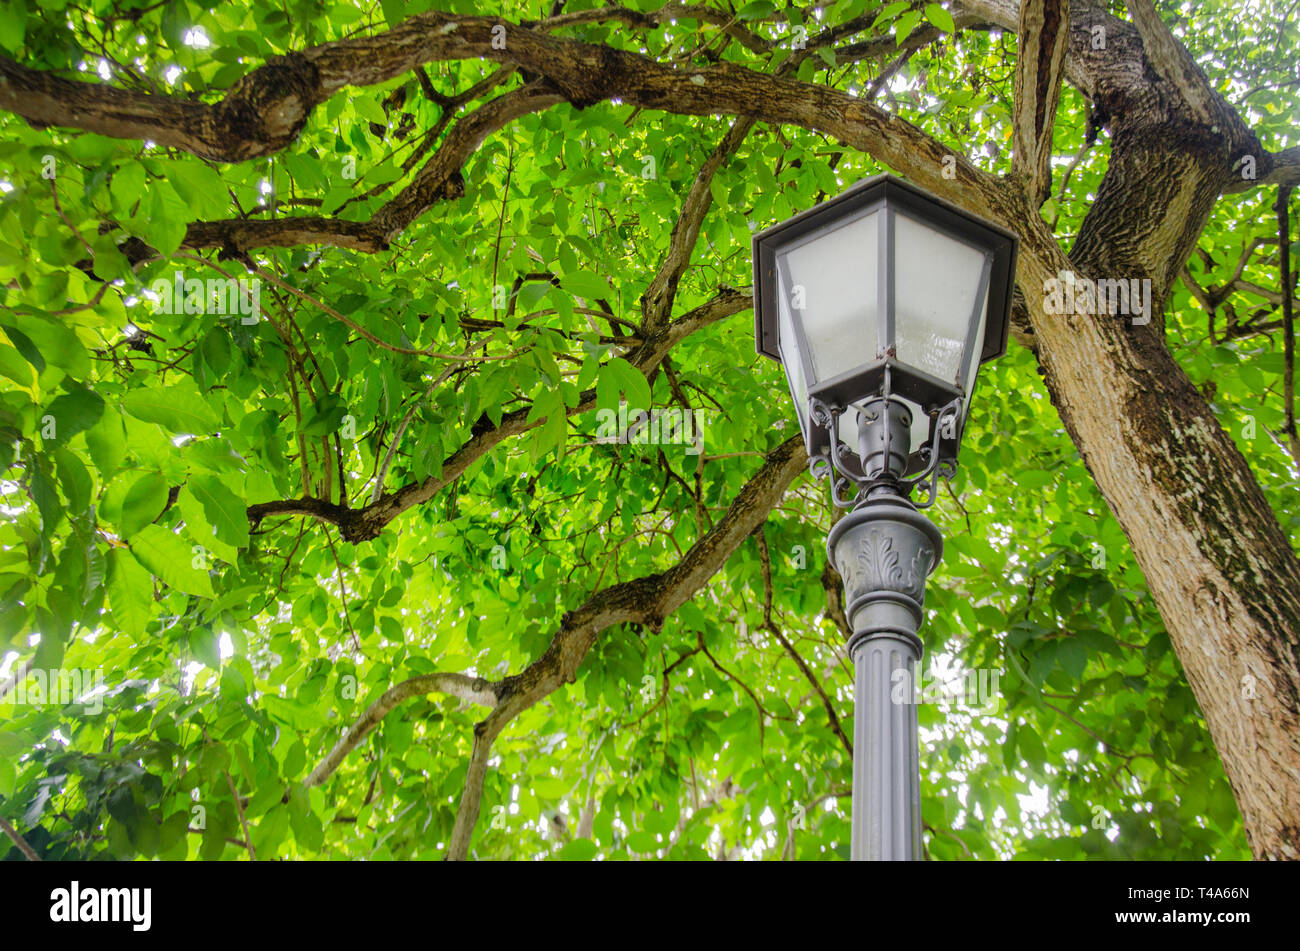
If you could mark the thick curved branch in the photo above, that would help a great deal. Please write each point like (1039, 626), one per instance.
(249, 233)
(472, 689)
(647, 600)
(438, 180)
(1275, 168)
(261, 115)
(266, 109)
(431, 182)
(1109, 60)
(1171, 60)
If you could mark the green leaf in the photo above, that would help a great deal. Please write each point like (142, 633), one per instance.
(205, 645)
(579, 850)
(143, 503)
(756, 10)
(130, 593)
(308, 830)
(45, 497)
(368, 109)
(162, 217)
(214, 843)
(296, 715)
(54, 342)
(326, 417)
(849, 9)
(169, 559)
(110, 263)
(13, 25)
(1030, 746)
(906, 23)
(8, 777)
(1041, 664)
(549, 405)
(1100, 593)
(172, 841)
(1071, 814)
(200, 186)
(531, 294)
(215, 348)
(940, 17)
(586, 284)
(23, 344)
(50, 650)
(127, 186)
(75, 480)
(643, 842)
(107, 444)
(630, 381)
(224, 510)
(394, 11)
(1072, 656)
(271, 831)
(606, 388)
(73, 413)
(890, 11)
(179, 409)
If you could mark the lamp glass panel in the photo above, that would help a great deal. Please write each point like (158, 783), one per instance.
(936, 278)
(978, 345)
(829, 282)
(792, 361)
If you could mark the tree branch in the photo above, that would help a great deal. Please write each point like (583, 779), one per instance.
(1283, 208)
(22, 844)
(657, 301)
(366, 523)
(438, 180)
(1175, 65)
(1044, 37)
(769, 624)
(265, 110)
(472, 689)
(646, 600)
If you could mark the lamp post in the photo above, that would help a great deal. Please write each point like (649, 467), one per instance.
(881, 304)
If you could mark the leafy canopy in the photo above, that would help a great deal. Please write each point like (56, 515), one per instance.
(235, 652)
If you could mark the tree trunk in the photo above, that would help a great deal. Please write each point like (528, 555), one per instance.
(1218, 564)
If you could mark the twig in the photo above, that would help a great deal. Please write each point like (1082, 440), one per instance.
(75, 233)
(1288, 320)
(765, 561)
(19, 841)
(243, 820)
(343, 591)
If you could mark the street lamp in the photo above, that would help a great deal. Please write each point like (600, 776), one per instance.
(881, 304)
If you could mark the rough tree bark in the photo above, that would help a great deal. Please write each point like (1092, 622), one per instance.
(1219, 566)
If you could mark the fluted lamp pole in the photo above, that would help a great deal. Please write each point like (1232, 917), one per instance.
(881, 304)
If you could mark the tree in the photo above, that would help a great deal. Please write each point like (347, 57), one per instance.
(383, 429)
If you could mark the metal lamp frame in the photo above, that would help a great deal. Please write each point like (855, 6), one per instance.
(885, 549)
